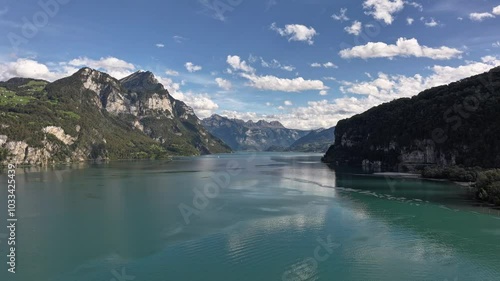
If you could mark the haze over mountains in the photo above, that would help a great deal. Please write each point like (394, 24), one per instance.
(256, 136)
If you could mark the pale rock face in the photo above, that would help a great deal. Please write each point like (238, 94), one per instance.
(138, 125)
(3, 139)
(159, 103)
(58, 132)
(117, 103)
(18, 151)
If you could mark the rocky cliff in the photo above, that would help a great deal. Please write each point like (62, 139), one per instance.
(91, 115)
(254, 136)
(455, 124)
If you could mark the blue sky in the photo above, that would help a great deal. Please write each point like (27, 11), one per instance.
(306, 63)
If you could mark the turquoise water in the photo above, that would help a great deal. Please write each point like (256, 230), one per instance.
(263, 216)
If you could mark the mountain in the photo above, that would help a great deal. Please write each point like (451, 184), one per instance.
(316, 141)
(455, 124)
(255, 136)
(91, 115)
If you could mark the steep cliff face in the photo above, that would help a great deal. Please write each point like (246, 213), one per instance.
(91, 115)
(456, 124)
(254, 136)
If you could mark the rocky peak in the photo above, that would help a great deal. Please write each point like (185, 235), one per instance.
(95, 80)
(142, 81)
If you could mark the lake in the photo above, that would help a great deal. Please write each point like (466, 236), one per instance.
(244, 216)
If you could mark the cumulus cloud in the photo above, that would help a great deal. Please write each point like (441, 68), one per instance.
(496, 10)
(202, 103)
(317, 114)
(403, 48)
(355, 28)
(383, 10)
(387, 87)
(480, 16)
(237, 64)
(30, 68)
(159, 45)
(288, 103)
(223, 83)
(384, 88)
(192, 67)
(323, 93)
(341, 16)
(273, 83)
(296, 32)
(410, 21)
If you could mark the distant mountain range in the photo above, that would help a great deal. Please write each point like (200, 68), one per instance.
(316, 141)
(455, 124)
(91, 115)
(266, 136)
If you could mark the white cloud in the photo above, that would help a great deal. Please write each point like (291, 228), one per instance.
(171, 72)
(383, 10)
(355, 28)
(496, 44)
(387, 87)
(410, 21)
(178, 39)
(325, 65)
(288, 103)
(496, 10)
(416, 5)
(384, 88)
(159, 45)
(274, 83)
(480, 16)
(296, 32)
(237, 64)
(323, 93)
(223, 83)
(273, 64)
(202, 104)
(192, 67)
(403, 47)
(329, 65)
(341, 16)
(28, 68)
(431, 23)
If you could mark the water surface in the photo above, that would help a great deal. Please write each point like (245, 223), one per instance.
(247, 216)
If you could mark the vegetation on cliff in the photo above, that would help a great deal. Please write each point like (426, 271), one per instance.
(90, 115)
(455, 124)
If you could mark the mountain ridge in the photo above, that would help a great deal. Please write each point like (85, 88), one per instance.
(455, 124)
(90, 115)
(249, 135)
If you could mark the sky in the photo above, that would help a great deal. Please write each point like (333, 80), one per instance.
(305, 63)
